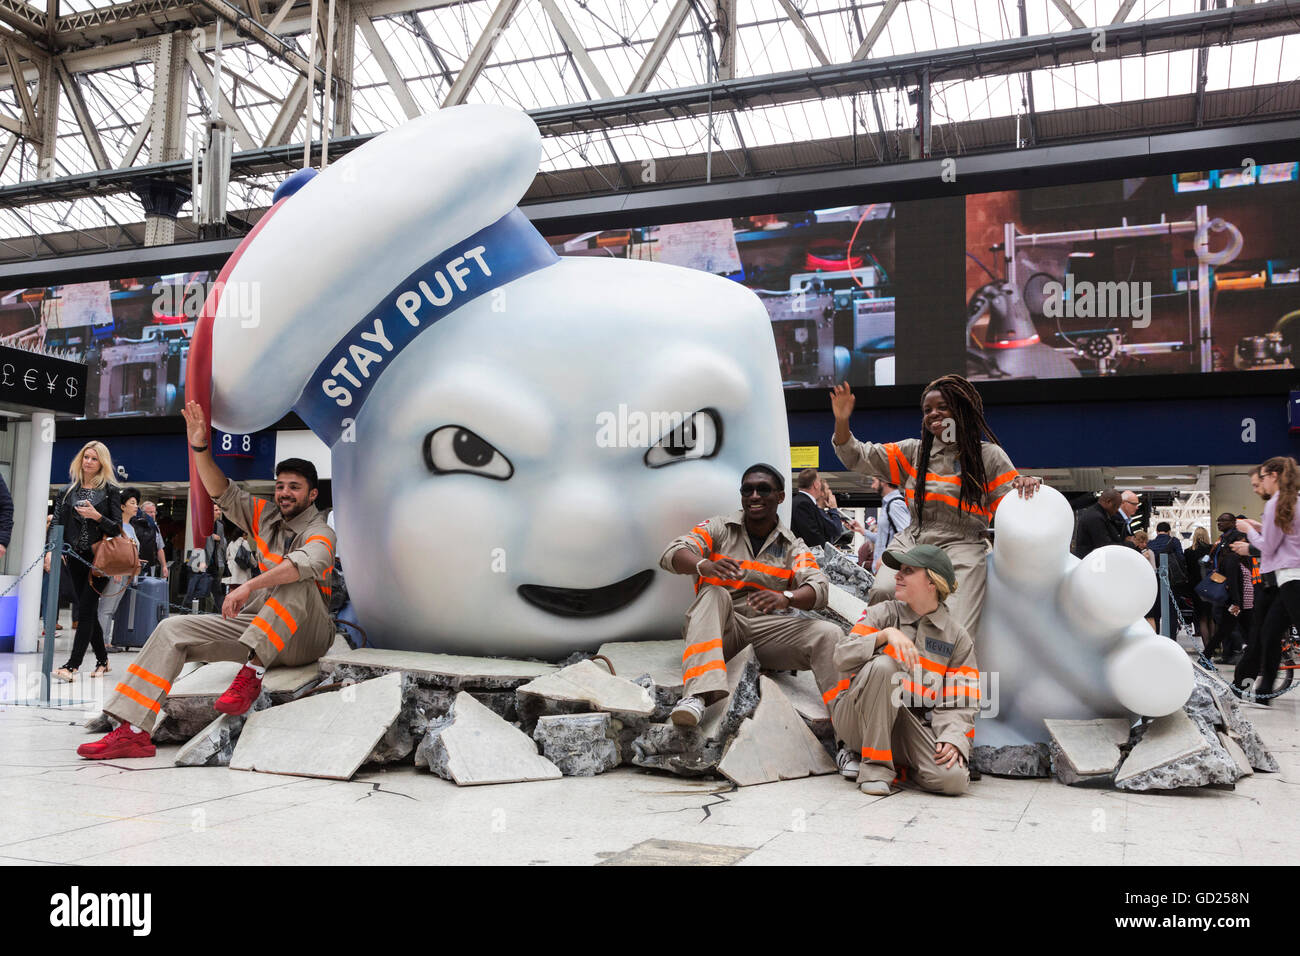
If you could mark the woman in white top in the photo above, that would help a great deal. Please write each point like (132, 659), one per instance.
(116, 586)
(1277, 536)
(235, 575)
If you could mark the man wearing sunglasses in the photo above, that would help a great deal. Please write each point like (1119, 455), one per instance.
(750, 569)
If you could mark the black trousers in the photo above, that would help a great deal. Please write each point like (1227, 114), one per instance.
(86, 611)
(1230, 632)
(1264, 653)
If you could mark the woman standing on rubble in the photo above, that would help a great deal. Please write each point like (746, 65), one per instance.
(962, 479)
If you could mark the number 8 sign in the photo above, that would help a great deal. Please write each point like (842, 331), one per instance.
(232, 446)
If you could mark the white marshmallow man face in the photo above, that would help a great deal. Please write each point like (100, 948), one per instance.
(501, 497)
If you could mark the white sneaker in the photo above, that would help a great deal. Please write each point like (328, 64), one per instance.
(687, 712)
(874, 788)
(849, 765)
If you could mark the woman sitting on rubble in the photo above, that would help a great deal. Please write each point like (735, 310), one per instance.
(909, 684)
(962, 479)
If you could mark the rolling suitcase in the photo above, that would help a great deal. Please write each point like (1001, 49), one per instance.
(142, 607)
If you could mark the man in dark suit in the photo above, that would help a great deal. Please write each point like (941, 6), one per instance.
(813, 515)
(1095, 525)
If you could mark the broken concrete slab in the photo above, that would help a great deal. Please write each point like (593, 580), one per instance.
(1233, 719)
(665, 698)
(584, 686)
(1173, 752)
(801, 690)
(471, 745)
(212, 679)
(696, 750)
(774, 744)
(662, 660)
(1237, 754)
(214, 745)
(326, 735)
(435, 670)
(845, 605)
(581, 745)
(1014, 760)
(1086, 751)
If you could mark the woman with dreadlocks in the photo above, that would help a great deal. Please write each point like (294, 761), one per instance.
(953, 481)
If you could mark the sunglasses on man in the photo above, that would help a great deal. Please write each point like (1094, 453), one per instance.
(762, 489)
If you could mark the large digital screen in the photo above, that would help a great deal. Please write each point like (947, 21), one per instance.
(824, 276)
(133, 334)
(1195, 272)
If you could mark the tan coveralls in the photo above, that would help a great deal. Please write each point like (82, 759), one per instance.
(880, 710)
(720, 622)
(962, 534)
(285, 626)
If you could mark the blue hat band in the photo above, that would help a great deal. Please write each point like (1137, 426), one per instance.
(490, 258)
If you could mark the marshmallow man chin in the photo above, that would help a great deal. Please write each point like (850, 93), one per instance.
(436, 561)
(329, 253)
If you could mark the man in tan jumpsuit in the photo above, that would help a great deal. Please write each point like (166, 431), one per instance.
(909, 687)
(749, 568)
(280, 617)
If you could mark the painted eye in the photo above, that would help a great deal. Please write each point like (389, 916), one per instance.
(453, 448)
(699, 436)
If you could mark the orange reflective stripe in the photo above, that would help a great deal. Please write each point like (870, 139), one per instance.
(154, 679)
(1002, 479)
(950, 500)
(962, 690)
(710, 666)
(703, 536)
(871, 753)
(259, 505)
(971, 733)
(274, 638)
(923, 692)
(320, 537)
(864, 630)
(835, 691)
(283, 614)
(968, 671)
(889, 649)
(898, 464)
(139, 698)
(701, 647)
(783, 573)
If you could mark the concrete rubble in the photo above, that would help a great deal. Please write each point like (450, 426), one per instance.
(325, 735)
(800, 688)
(473, 745)
(214, 745)
(581, 745)
(843, 571)
(1014, 760)
(695, 751)
(774, 744)
(1174, 752)
(579, 688)
(189, 705)
(1086, 751)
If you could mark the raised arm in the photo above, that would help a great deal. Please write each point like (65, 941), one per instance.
(200, 438)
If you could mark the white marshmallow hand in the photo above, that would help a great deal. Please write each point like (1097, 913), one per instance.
(1065, 638)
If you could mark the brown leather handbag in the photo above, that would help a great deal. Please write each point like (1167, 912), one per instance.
(117, 555)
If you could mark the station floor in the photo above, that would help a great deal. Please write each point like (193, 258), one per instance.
(58, 809)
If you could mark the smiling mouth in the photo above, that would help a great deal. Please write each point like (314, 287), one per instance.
(587, 602)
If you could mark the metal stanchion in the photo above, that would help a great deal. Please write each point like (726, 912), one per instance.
(1166, 598)
(51, 613)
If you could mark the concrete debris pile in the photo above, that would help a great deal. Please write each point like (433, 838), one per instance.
(843, 571)
(1208, 742)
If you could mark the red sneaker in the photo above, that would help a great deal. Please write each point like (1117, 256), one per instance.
(241, 693)
(120, 742)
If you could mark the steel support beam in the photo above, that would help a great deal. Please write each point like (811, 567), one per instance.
(724, 17)
(1067, 11)
(84, 120)
(227, 111)
(387, 67)
(805, 31)
(663, 40)
(577, 49)
(877, 28)
(247, 26)
(474, 63)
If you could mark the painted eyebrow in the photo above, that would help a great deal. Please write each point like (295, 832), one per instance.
(688, 380)
(481, 400)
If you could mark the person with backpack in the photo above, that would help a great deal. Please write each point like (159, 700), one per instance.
(151, 543)
(1165, 543)
(241, 563)
(894, 517)
(1224, 562)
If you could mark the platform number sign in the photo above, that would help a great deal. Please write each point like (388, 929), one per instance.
(227, 445)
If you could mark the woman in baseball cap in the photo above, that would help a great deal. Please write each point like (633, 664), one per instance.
(909, 683)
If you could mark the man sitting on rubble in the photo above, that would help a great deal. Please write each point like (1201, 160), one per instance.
(909, 685)
(750, 570)
(280, 617)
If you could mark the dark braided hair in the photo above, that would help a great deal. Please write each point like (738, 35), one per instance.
(967, 409)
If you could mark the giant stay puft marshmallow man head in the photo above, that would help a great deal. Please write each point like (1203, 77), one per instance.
(482, 398)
